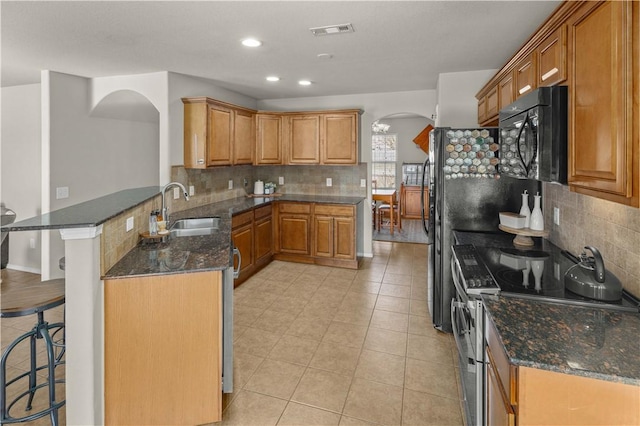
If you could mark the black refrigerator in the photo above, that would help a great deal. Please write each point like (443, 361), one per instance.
(466, 193)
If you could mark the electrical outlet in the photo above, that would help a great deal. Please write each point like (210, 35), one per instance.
(176, 193)
(230, 183)
(329, 182)
(129, 225)
(32, 243)
(62, 192)
(281, 180)
(556, 216)
(192, 190)
(245, 182)
(363, 183)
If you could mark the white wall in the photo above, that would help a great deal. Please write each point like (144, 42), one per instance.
(374, 105)
(457, 105)
(183, 86)
(21, 169)
(408, 152)
(92, 156)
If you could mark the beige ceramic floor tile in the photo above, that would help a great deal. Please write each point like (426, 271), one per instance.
(322, 389)
(419, 308)
(275, 378)
(350, 421)
(392, 304)
(369, 275)
(354, 300)
(302, 289)
(365, 287)
(303, 415)
(309, 327)
(357, 316)
(258, 299)
(250, 408)
(430, 377)
(428, 349)
(396, 278)
(346, 334)
(419, 292)
(395, 290)
(296, 350)
(245, 315)
(256, 342)
(244, 365)
(290, 305)
(425, 409)
(374, 402)
(274, 286)
(336, 358)
(381, 367)
(274, 321)
(387, 341)
(390, 321)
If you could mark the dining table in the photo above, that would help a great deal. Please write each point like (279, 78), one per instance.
(387, 196)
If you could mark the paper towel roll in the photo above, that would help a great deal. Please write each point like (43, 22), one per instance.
(258, 187)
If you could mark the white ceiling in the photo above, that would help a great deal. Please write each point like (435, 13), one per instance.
(396, 46)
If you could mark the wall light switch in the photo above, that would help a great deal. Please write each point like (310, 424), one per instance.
(62, 192)
(363, 183)
(230, 183)
(129, 225)
(192, 190)
(556, 216)
(281, 180)
(176, 193)
(329, 182)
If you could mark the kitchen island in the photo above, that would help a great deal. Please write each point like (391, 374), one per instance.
(552, 363)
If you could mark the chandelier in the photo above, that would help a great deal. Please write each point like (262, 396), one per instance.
(377, 127)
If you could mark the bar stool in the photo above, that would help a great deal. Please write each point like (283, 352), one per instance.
(25, 299)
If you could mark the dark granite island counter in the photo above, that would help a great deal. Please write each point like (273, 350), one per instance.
(562, 364)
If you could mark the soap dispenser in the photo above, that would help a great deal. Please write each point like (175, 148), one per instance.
(524, 210)
(537, 219)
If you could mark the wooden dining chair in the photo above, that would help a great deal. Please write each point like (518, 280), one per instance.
(384, 212)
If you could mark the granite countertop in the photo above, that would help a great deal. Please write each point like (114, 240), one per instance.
(592, 342)
(202, 253)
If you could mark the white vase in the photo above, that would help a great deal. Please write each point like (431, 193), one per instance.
(537, 219)
(524, 210)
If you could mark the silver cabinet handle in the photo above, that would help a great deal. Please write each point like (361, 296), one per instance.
(236, 272)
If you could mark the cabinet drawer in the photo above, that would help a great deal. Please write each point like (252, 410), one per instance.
(333, 210)
(241, 219)
(294, 208)
(261, 212)
(498, 358)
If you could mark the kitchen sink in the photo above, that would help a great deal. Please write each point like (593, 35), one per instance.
(194, 227)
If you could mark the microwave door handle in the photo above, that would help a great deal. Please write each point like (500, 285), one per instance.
(422, 205)
(519, 152)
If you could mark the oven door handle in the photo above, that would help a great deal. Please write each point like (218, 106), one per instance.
(455, 268)
(458, 334)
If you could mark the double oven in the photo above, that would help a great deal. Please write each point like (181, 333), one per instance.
(489, 263)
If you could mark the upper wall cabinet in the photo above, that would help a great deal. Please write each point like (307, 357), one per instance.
(592, 47)
(269, 139)
(217, 134)
(304, 139)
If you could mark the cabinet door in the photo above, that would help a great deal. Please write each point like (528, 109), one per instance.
(304, 139)
(411, 202)
(263, 238)
(600, 139)
(219, 136)
(525, 75)
(339, 138)
(344, 238)
(243, 137)
(294, 234)
(506, 91)
(268, 139)
(492, 107)
(499, 411)
(195, 135)
(482, 109)
(323, 236)
(552, 58)
(243, 240)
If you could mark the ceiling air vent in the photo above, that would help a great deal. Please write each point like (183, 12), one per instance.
(332, 29)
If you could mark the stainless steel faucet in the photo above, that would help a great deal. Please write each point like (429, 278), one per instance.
(165, 211)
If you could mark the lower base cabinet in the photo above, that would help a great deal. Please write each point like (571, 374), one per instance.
(411, 202)
(252, 235)
(163, 349)
(530, 396)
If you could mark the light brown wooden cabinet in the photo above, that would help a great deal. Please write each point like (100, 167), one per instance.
(339, 138)
(411, 202)
(263, 231)
(530, 396)
(304, 139)
(269, 139)
(552, 58)
(293, 229)
(163, 349)
(334, 232)
(506, 91)
(216, 134)
(603, 140)
(252, 235)
(242, 238)
(525, 75)
(488, 107)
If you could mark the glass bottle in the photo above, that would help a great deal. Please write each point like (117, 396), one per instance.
(524, 210)
(537, 219)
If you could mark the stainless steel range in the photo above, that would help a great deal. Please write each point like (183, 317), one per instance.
(489, 263)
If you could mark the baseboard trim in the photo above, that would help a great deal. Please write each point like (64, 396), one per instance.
(24, 268)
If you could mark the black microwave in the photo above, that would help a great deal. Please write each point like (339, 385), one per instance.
(533, 136)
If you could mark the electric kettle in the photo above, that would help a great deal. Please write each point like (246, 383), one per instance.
(589, 278)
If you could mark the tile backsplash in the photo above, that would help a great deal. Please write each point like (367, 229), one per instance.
(612, 228)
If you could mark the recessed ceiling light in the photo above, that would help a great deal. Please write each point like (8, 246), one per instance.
(273, 78)
(251, 42)
(304, 82)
